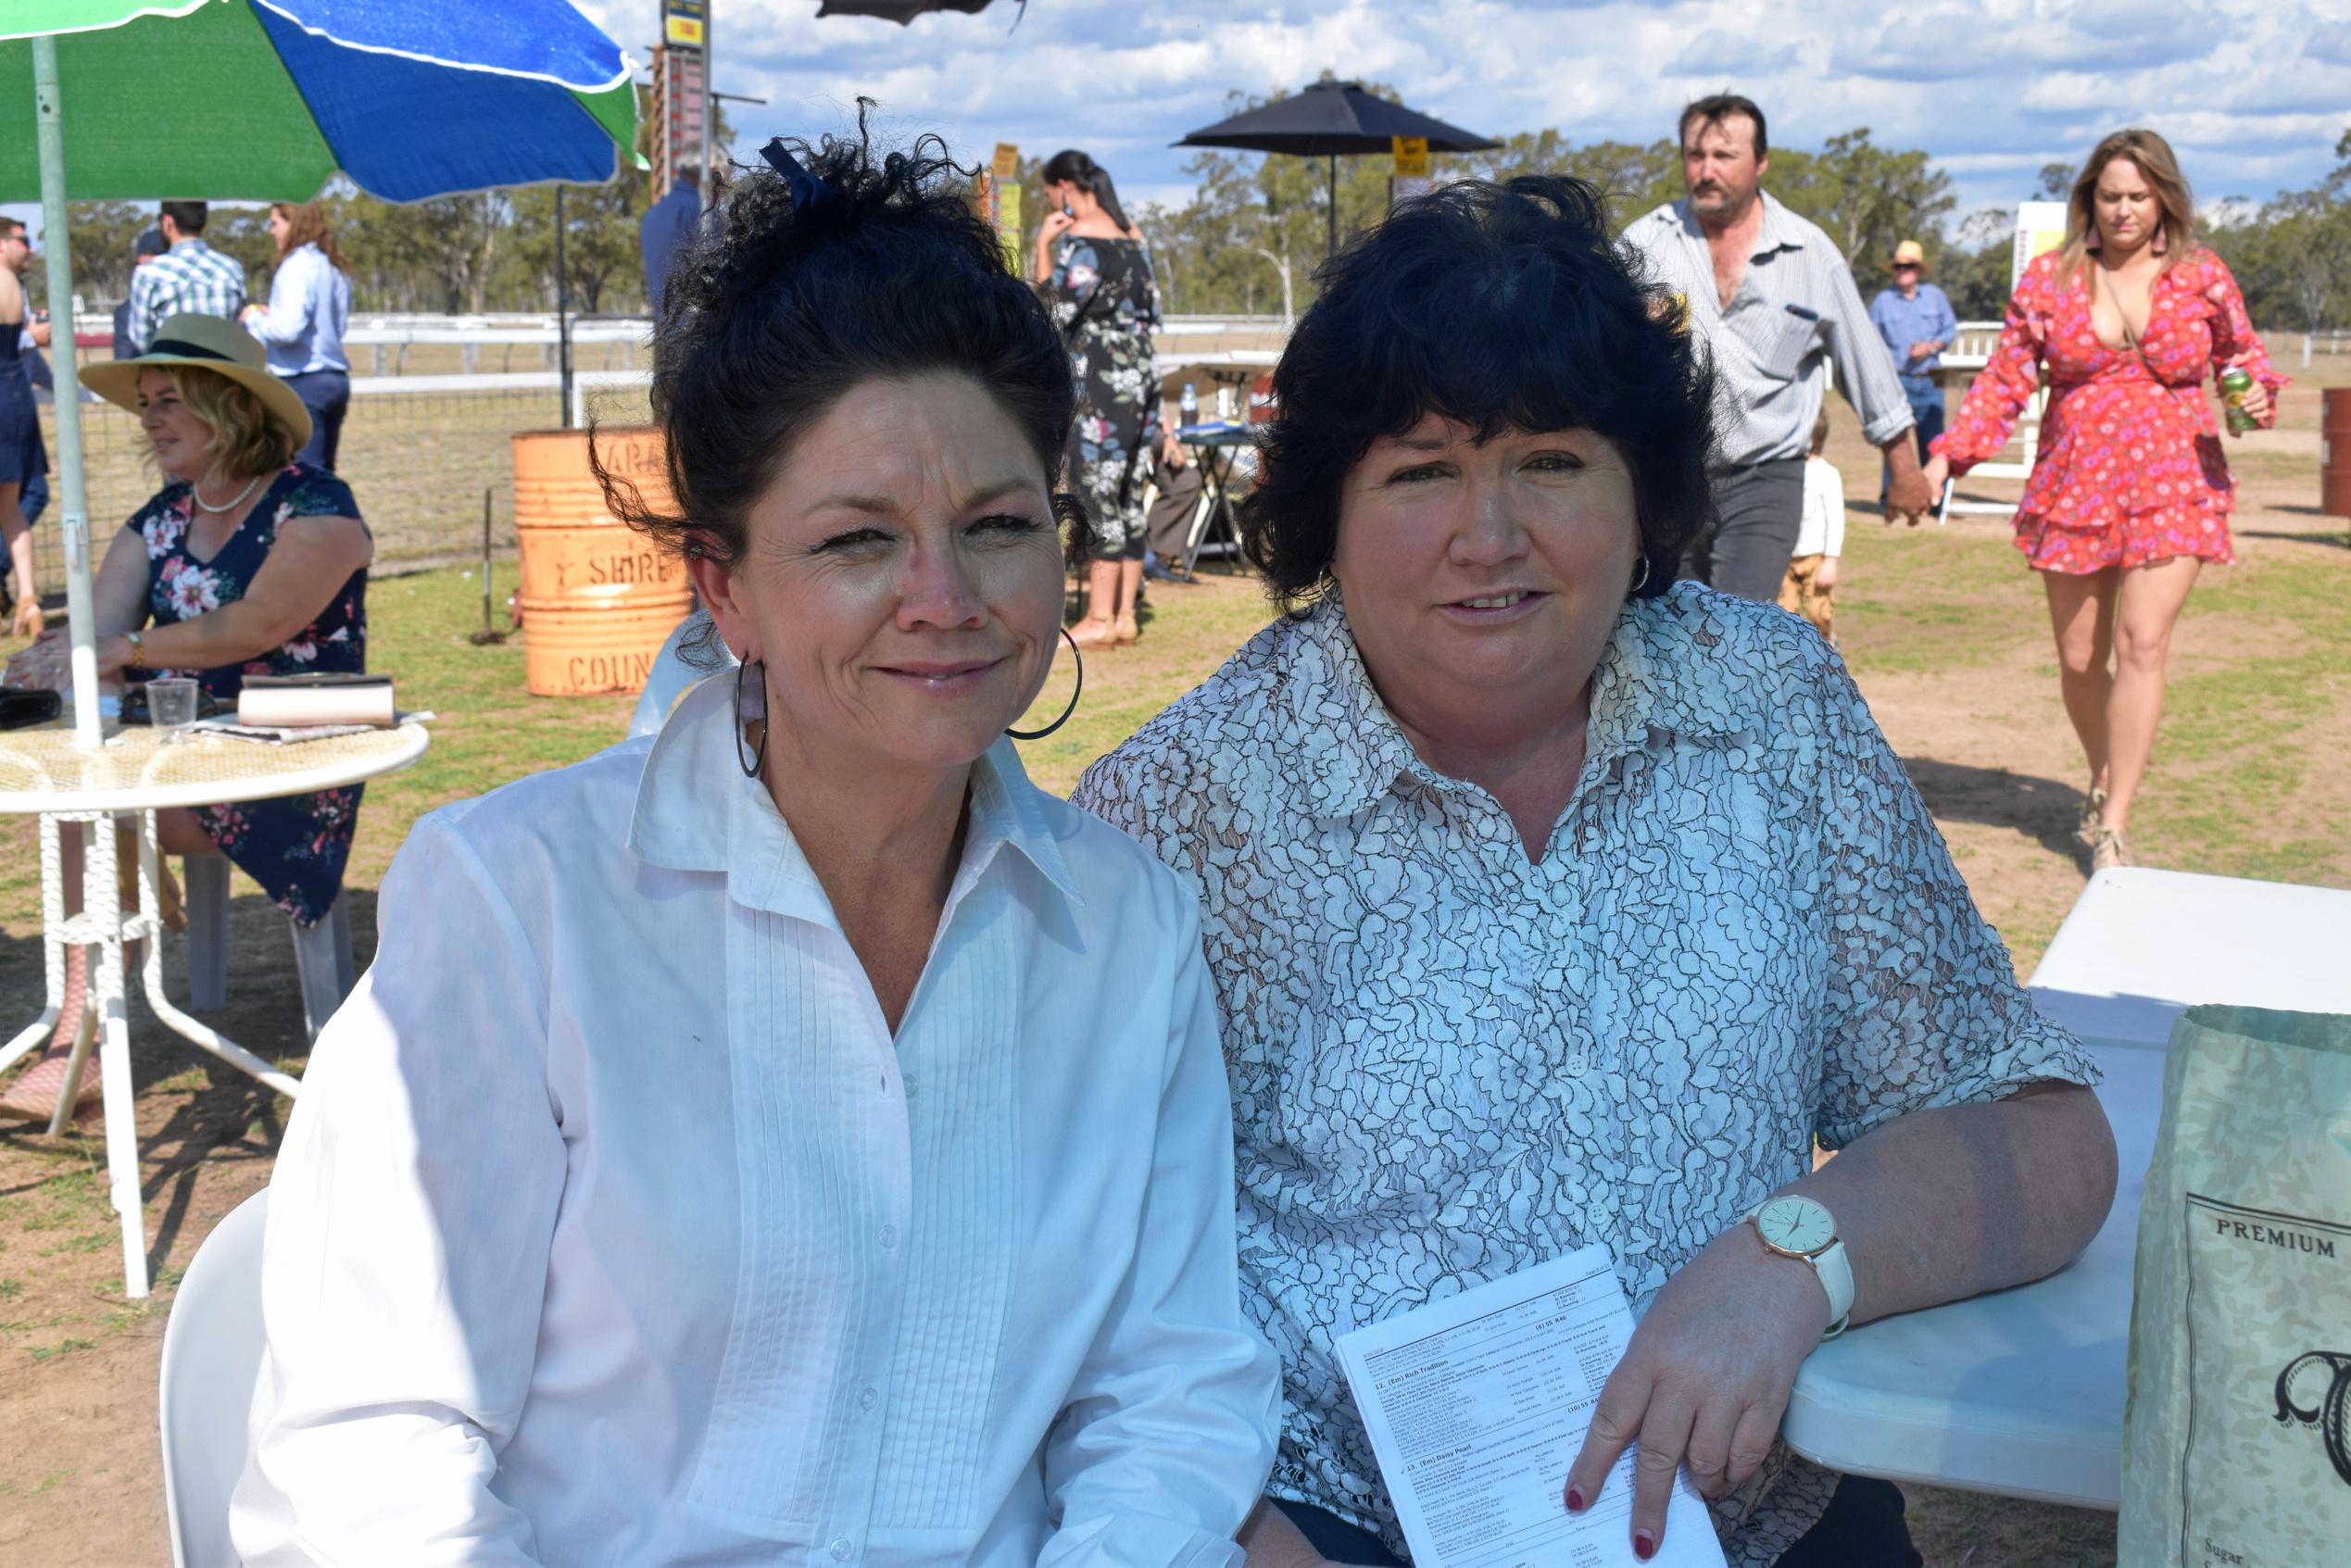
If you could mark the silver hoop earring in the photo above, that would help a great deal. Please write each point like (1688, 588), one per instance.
(1040, 735)
(750, 707)
(1643, 580)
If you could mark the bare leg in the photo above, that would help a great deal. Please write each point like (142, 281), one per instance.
(2082, 616)
(16, 535)
(2147, 609)
(1130, 589)
(1101, 606)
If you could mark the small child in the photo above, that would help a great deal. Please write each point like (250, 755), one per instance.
(1812, 572)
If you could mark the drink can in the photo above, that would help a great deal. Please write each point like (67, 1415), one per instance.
(2235, 381)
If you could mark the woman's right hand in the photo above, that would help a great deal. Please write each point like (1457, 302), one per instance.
(1056, 223)
(27, 621)
(1938, 474)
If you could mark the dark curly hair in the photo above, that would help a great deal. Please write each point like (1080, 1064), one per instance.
(877, 268)
(1501, 308)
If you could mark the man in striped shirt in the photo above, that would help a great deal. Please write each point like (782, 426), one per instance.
(189, 276)
(1772, 299)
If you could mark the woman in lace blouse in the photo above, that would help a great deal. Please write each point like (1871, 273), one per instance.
(1551, 901)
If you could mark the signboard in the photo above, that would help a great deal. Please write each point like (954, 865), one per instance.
(1412, 157)
(998, 192)
(676, 127)
(2041, 227)
(682, 23)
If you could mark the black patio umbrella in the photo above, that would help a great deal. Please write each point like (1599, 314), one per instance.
(899, 11)
(1330, 119)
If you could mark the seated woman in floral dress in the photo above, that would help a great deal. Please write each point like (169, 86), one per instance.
(244, 563)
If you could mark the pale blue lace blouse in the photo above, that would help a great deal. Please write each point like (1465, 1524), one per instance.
(1449, 1064)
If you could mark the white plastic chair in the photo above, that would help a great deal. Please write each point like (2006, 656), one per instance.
(211, 1359)
(671, 677)
(323, 959)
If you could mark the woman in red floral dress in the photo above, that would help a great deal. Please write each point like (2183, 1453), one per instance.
(2129, 494)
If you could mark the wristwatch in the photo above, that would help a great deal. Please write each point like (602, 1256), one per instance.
(138, 649)
(1800, 1228)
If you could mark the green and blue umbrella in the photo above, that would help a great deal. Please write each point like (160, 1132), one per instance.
(266, 100)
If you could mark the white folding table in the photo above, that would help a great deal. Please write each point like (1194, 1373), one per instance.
(43, 772)
(2020, 1393)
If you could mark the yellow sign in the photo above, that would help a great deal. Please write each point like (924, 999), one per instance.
(1412, 157)
(684, 33)
(1007, 164)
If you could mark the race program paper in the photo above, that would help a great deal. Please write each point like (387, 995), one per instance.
(1475, 1406)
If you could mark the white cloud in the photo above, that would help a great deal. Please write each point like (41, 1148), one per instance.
(2251, 89)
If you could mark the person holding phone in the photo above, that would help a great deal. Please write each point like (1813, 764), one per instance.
(1097, 275)
(2129, 494)
(1771, 298)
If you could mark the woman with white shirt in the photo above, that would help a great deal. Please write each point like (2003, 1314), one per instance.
(1552, 902)
(303, 324)
(794, 1136)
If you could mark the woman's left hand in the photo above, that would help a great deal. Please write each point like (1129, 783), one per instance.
(1705, 1380)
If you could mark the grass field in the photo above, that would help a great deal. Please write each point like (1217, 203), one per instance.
(1941, 625)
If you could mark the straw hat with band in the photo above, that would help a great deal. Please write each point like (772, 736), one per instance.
(1909, 253)
(211, 344)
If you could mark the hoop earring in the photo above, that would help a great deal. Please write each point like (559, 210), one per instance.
(1040, 735)
(750, 707)
(1643, 580)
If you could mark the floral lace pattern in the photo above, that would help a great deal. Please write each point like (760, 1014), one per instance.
(1106, 301)
(2130, 469)
(294, 846)
(1449, 1062)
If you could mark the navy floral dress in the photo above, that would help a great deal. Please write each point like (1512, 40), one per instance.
(1105, 299)
(294, 847)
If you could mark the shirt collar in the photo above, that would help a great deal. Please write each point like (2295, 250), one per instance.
(190, 243)
(1345, 751)
(696, 811)
(1779, 231)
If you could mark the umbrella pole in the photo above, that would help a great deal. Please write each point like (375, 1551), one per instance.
(1330, 244)
(562, 311)
(73, 520)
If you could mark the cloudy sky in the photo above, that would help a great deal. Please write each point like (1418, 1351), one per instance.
(2253, 92)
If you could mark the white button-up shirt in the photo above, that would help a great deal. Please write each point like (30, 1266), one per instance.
(1451, 1062)
(310, 307)
(613, 1226)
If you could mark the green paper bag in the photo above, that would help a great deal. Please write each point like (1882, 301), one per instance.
(2237, 1443)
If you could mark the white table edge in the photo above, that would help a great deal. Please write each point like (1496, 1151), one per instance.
(162, 797)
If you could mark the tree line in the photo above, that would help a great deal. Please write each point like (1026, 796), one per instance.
(1249, 239)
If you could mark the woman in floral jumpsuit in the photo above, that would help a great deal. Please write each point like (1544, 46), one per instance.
(1097, 274)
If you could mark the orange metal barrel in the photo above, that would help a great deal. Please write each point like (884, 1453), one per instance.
(2334, 453)
(597, 598)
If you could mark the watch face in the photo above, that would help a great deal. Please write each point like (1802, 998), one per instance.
(1795, 1225)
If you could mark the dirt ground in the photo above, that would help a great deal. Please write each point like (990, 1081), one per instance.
(1951, 656)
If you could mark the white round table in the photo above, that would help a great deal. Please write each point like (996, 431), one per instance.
(2022, 1392)
(43, 773)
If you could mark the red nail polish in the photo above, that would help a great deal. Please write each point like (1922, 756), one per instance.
(1644, 1547)
(1574, 1499)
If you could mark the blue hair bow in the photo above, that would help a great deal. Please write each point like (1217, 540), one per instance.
(806, 189)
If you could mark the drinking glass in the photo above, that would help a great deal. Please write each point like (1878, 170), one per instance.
(171, 706)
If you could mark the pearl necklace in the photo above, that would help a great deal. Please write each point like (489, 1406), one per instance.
(195, 493)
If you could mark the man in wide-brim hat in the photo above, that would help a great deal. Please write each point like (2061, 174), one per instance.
(1916, 320)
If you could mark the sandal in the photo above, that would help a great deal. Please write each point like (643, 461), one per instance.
(2109, 849)
(2094, 814)
(35, 1092)
(1093, 633)
(1125, 632)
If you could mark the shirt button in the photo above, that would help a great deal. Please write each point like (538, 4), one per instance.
(841, 1550)
(888, 1237)
(867, 1401)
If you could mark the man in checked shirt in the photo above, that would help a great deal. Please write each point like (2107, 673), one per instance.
(191, 275)
(1771, 297)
